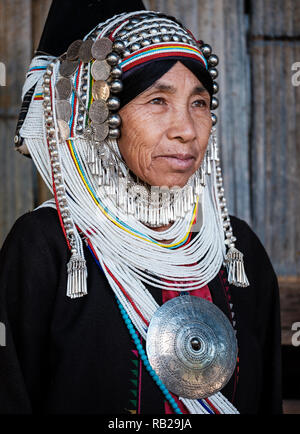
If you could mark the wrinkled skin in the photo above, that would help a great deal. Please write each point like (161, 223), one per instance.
(165, 129)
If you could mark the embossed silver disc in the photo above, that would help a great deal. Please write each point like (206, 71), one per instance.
(192, 347)
(100, 70)
(100, 131)
(63, 88)
(68, 67)
(100, 90)
(101, 48)
(84, 53)
(63, 110)
(64, 129)
(98, 111)
(73, 50)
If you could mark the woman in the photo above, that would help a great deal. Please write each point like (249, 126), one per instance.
(120, 128)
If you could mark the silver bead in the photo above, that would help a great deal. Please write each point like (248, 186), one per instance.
(213, 73)
(184, 39)
(134, 21)
(113, 103)
(163, 29)
(153, 31)
(215, 87)
(116, 86)
(122, 33)
(176, 38)
(126, 53)
(214, 119)
(214, 103)
(166, 38)
(213, 60)
(116, 72)
(112, 59)
(128, 27)
(145, 42)
(132, 38)
(156, 39)
(135, 47)
(114, 120)
(143, 35)
(114, 133)
(118, 46)
(206, 50)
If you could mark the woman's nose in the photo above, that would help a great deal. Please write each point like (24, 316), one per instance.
(181, 126)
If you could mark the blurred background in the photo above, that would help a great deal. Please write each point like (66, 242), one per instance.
(258, 43)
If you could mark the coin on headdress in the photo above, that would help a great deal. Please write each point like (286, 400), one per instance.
(64, 129)
(68, 67)
(63, 88)
(63, 110)
(100, 131)
(101, 48)
(100, 70)
(85, 54)
(73, 50)
(100, 90)
(98, 111)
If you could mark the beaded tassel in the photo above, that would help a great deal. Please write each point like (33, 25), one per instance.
(235, 268)
(77, 276)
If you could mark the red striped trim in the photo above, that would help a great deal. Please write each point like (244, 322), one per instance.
(158, 56)
(212, 406)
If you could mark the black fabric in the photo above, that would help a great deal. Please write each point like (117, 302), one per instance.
(69, 20)
(139, 78)
(76, 356)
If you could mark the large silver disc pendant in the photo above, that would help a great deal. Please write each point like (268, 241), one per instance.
(192, 347)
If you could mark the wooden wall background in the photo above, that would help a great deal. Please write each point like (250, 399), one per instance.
(257, 42)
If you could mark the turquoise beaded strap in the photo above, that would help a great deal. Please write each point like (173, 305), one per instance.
(145, 360)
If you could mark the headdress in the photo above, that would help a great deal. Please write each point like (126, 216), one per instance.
(70, 126)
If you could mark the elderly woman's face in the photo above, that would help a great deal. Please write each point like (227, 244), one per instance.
(165, 129)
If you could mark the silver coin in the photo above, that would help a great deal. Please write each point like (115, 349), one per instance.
(63, 110)
(68, 67)
(98, 111)
(192, 347)
(100, 131)
(85, 54)
(100, 90)
(100, 70)
(73, 50)
(101, 48)
(64, 129)
(63, 88)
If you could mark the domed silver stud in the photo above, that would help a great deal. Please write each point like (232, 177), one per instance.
(122, 33)
(132, 38)
(145, 42)
(214, 103)
(176, 38)
(135, 47)
(118, 46)
(114, 120)
(213, 73)
(163, 29)
(128, 27)
(134, 21)
(214, 119)
(116, 72)
(113, 103)
(112, 59)
(156, 39)
(213, 60)
(126, 53)
(215, 87)
(184, 39)
(166, 38)
(116, 86)
(206, 50)
(153, 31)
(114, 133)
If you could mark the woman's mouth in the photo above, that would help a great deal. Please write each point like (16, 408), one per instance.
(178, 161)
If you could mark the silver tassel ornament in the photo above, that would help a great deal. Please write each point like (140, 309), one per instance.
(77, 276)
(235, 268)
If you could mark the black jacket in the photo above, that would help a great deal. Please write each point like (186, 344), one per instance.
(67, 355)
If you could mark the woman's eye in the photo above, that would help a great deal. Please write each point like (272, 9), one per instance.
(158, 101)
(200, 103)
